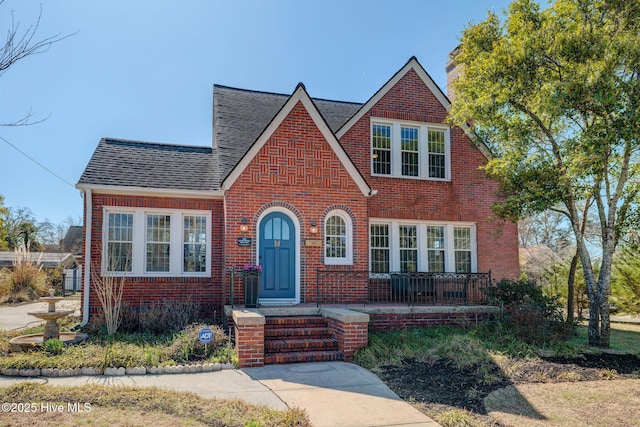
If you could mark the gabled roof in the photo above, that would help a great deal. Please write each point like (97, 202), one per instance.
(300, 95)
(120, 162)
(412, 64)
(240, 116)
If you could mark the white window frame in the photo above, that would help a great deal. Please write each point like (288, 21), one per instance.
(423, 148)
(139, 246)
(348, 259)
(423, 262)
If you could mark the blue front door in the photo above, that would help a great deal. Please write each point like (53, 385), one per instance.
(278, 257)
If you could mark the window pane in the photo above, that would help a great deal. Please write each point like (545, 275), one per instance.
(435, 248)
(379, 248)
(158, 247)
(195, 258)
(119, 256)
(336, 237)
(119, 242)
(436, 154)
(409, 147)
(381, 142)
(463, 261)
(194, 244)
(462, 246)
(462, 238)
(408, 248)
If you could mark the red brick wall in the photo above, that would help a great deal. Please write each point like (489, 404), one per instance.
(351, 336)
(467, 197)
(207, 291)
(297, 170)
(391, 321)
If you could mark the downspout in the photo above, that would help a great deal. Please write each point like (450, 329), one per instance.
(87, 257)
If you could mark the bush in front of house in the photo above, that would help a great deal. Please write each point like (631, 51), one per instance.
(159, 317)
(529, 314)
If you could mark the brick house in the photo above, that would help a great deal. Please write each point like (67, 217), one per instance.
(313, 190)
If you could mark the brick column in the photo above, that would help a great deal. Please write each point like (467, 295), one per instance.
(350, 328)
(249, 331)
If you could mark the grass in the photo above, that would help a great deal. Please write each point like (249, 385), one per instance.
(126, 406)
(526, 405)
(592, 403)
(465, 348)
(127, 350)
(624, 337)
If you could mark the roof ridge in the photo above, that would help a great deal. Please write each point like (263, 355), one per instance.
(162, 144)
(287, 95)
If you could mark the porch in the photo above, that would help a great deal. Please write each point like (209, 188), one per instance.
(348, 287)
(310, 332)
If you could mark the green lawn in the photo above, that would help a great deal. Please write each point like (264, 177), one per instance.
(624, 337)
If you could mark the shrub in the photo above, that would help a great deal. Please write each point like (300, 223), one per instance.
(186, 346)
(160, 317)
(531, 315)
(26, 281)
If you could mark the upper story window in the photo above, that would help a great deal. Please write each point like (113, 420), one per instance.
(156, 242)
(411, 150)
(338, 237)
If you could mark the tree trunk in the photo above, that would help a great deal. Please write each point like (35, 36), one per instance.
(571, 288)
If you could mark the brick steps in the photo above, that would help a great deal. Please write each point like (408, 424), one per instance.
(302, 357)
(296, 339)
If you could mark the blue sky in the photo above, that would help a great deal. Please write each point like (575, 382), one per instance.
(144, 70)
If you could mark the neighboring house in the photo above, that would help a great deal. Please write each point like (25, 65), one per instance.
(301, 186)
(48, 260)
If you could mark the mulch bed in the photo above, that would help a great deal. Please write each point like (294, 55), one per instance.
(433, 385)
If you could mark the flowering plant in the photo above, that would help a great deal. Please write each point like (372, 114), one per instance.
(254, 270)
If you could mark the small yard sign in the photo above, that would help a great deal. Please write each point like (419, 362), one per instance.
(205, 335)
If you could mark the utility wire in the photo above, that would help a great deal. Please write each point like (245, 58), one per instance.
(38, 163)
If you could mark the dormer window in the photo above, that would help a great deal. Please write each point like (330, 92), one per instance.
(410, 150)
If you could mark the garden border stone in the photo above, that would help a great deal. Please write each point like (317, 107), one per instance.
(115, 371)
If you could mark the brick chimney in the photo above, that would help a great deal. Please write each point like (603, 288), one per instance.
(453, 71)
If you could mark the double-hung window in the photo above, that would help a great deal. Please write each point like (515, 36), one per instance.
(158, 243)
(119, 243)
(410, 149)
(379, 244)
(421, 246)
(154, 242)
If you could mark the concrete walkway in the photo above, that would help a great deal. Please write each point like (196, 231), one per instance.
(334, 394)
(17, 317)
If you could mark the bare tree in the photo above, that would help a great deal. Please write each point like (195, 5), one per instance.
(18, 45)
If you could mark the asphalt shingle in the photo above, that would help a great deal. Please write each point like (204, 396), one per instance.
(127, 163)
(239, 117)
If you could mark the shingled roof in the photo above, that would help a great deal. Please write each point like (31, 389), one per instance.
(119, 162)
(239, 117)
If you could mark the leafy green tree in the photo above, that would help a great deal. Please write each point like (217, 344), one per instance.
(555, 94)
(625, 282)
